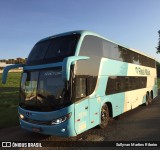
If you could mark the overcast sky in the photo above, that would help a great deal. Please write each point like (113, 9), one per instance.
(24, 22)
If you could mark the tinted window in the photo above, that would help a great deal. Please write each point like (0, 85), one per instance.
(91, 84)
(95, 46)
(80, 88)
(117, 84)
(61, 47)
(124, 54)
(53, 50)
(38, 52)
(91, 46)
(135, 58)
(84, 86)
(110, 50)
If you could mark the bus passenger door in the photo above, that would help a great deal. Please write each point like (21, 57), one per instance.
(81, 105)
(81, 116)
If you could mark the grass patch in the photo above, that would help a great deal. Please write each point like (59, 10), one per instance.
(9, 99)
(8, 117)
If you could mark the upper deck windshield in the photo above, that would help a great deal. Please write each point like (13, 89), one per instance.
(53, 50)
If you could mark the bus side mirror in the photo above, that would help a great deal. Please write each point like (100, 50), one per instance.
(67, 64)
(6, 70)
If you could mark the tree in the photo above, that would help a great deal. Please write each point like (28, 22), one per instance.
(158, 69)
(158, 48)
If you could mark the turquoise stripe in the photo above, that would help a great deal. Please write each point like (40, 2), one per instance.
(114, 68)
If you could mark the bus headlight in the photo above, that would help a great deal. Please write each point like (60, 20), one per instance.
(62, 119)
(21, 116)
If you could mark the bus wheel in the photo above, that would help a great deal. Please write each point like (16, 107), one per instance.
(104, 116)
(148, 99)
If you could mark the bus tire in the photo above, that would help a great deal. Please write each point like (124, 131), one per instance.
(104, 116)
(148, 100)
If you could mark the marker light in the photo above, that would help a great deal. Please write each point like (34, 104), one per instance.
(62, 119)
(63, 130)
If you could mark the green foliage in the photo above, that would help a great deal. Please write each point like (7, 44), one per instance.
(9, 99)
(158, 82)
(8, 117)
(158, 69)
(9, 92)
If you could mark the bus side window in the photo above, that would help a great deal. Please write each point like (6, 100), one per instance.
(91, 84)
(118, 86)
(91, 46)
(80, 88)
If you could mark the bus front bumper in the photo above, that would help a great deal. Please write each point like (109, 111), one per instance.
(41, 122)
(58, 130)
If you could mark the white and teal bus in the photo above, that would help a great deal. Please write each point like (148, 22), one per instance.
(77, 80)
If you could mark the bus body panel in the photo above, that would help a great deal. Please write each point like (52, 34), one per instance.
(82, 116)
(117, 103)
(155, 91)
(94, 111)
(110, 67)
(63, 129)
(124, 101)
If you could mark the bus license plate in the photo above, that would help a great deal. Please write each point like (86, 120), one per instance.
(36, 129)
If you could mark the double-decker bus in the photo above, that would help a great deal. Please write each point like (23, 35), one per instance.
(77, 80)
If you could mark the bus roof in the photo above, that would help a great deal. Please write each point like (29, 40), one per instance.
(86, 32)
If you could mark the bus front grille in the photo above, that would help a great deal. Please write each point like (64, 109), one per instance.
(37, 121)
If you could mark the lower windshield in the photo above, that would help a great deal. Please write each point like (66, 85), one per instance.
(43, 90)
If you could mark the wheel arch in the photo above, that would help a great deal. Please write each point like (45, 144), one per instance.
(151, 94)
(147, 93)
(109, 104)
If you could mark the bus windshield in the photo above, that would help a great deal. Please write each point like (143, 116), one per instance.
(53, 50)
(43, 90)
